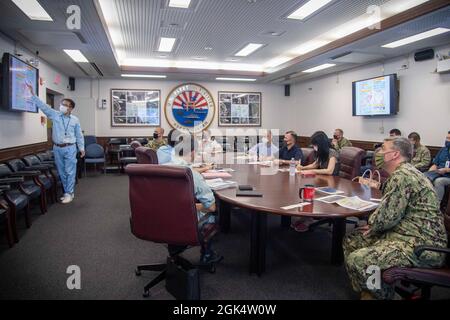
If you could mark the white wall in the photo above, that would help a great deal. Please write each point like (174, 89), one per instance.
(17, 129)
(321, 104)
(275, 106)
(326, 103)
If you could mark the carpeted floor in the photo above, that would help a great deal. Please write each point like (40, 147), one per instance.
(94, 234)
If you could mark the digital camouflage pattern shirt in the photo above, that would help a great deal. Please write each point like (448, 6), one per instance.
(342, 143)
(156, 144)
(422, 157)
(409, 210)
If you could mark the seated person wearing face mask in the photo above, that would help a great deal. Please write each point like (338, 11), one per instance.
(421, 155)
(439, 172)
(408, 216)
(264, 150)
(209, 145)
(290, 150)
(327, 159)
(158, 140)
(339, 141)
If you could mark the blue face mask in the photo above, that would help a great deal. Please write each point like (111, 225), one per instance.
(447, 144)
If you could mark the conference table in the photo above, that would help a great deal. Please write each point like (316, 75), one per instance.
(280, 190)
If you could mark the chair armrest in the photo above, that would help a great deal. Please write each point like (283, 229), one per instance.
(37, 167)
(25, 174)
(4, 183)
(418, 250)
(48, 163)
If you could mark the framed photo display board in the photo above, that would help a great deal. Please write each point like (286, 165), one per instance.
(135, 108)
(240, 109)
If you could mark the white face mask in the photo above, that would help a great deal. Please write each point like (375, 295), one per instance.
(63, 108)
(265, 140)
(316, 148)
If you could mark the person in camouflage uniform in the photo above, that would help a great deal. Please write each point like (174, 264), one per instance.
(158, 140)
(408, 216)
(422, 156)
(339, 141)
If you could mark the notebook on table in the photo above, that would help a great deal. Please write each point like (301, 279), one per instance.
(215, 175)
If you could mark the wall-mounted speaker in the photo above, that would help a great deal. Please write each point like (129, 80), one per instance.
(424, 55)
(287, 90)
(72, 84)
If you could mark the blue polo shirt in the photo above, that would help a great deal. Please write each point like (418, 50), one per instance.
(442, 157)
(295, 152)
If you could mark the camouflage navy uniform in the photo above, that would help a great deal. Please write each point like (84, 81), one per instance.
(422, 158)
(408, 216)
(156, 144)
(342, 144)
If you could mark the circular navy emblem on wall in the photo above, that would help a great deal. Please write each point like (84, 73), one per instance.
(190, 107)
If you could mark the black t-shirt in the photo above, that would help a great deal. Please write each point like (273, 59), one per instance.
(295, 152)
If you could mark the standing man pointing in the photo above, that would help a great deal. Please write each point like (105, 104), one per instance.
(66, 136)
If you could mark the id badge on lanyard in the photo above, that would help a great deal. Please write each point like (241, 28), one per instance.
(66, 135)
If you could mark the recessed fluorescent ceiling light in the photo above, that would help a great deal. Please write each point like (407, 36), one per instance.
(236, 79)
(157, 63)
(321, 67)
(308, 9)
(179, 3)
(369, 19)
(417, 37)
(33, 10)
(248, 49)
(76, 55)
(155, 76)
(166, 44)
(111, 21)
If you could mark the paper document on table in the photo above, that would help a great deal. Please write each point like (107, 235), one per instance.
(211, 174)
(220, 184)
(298, 205)
(262, 163)
(331, 199)
(329, 190)
(243, 157)
(222, 170)
(287, 170)
(355, 203)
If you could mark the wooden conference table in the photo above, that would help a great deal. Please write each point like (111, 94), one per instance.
(281, 190)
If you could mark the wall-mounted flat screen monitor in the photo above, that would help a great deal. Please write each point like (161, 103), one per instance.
(376, 97)
(15, 75)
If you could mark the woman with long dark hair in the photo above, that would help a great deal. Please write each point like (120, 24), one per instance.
(327, 159)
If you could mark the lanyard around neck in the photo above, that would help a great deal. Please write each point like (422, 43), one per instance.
(66, 127)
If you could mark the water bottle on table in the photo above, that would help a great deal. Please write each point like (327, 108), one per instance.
(292, 167)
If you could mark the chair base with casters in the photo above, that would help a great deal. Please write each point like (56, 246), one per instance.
(174, 253)
(176, 259)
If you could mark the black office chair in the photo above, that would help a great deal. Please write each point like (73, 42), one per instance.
(30, 185)
(18, 202)
(5, 215)
(44, 179)
(48, 167)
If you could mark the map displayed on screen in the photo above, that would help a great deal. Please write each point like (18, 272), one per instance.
(373, 96)
(21, 74)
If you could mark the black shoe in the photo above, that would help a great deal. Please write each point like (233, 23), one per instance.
(210, 258)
